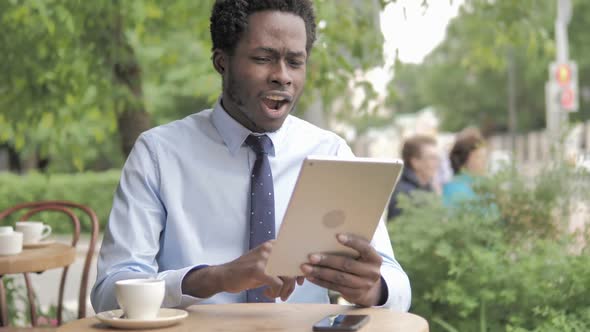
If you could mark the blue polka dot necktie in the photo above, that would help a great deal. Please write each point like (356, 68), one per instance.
(262, 203)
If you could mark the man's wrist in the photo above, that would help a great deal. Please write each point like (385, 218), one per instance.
(203, 282)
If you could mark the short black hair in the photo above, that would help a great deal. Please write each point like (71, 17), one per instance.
(229, 19)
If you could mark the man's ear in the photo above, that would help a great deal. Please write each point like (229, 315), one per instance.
(220, 61)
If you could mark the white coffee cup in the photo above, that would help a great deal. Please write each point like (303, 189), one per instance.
(11, 243)
(140, 298)
(33, 231)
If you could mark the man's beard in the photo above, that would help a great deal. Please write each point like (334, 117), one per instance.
(241, 113)
(232, 92)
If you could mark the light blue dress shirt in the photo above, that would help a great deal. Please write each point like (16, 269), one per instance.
(182, 201)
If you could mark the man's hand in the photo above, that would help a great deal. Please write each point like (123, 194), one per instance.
(358, 280)
(245, 272)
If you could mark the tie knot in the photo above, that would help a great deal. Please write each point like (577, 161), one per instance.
(260, 144)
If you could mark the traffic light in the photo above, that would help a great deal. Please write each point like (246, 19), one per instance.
(565, 78)
(563, 74)
(568, 99)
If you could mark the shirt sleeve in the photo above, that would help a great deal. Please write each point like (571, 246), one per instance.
(132, 237)
(399, 294)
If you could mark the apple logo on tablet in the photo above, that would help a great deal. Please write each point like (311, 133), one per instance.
(334, 218)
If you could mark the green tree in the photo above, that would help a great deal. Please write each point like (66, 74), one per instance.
(79, 78)
(580, 52)
(466, 76)
(405, 91)
(48, 82)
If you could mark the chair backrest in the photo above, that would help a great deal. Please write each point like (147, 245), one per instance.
(68, 208)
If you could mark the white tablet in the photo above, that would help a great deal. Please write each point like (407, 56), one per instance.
(332, 195)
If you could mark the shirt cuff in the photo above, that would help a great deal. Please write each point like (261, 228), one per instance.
(384, 293)
(174, 296)
(397, 285)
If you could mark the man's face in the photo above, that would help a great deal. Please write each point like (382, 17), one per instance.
(427, 164)
(264, 78)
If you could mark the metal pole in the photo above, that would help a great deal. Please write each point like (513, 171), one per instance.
(564, 14)
(512, 124)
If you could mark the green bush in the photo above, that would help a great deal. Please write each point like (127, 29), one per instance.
(95, 190)
(517, 269)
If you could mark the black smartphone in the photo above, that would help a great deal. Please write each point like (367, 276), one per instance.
(341, 323)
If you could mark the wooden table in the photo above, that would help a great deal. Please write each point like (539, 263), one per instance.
(38, 259)
(269, 317)
(33, 260)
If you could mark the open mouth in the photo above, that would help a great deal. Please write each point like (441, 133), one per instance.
(274, 103)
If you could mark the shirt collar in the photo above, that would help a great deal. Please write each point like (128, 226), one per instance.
(234, 134)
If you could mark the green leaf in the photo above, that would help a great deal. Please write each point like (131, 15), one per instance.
(47, 120)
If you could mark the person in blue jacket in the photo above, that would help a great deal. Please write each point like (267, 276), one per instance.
(469, 161)
(421, 161)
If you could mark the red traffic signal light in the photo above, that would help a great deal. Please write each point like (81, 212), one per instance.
(563, 74)
(567, 98)
(562, 88)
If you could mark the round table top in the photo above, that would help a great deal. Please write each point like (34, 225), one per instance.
(270, 317)
(38, 259)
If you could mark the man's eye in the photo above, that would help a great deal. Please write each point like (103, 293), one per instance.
(261, 59)
(296, 63)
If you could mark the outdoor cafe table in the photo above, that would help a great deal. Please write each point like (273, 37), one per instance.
(34, 260)
(269, 317)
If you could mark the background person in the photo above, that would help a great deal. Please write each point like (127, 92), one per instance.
(469, 161)
(421, 162)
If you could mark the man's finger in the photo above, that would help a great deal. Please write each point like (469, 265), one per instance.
(300, 280)
(268, 293)
(360, 244)
(288, 287)
(337, 277)
(274, 287)
(342, 263)
(265, 248)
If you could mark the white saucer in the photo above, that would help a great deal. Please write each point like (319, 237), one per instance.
(166, 317)
(39, 244)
